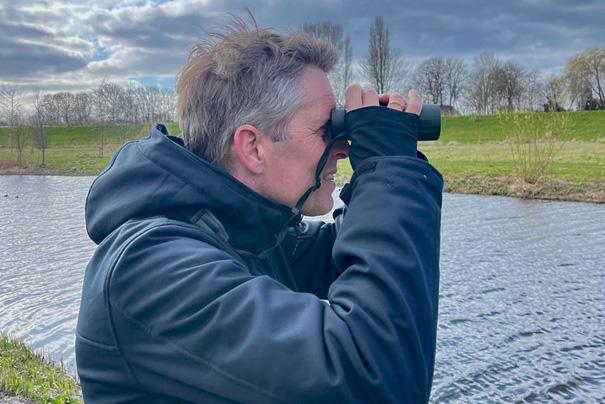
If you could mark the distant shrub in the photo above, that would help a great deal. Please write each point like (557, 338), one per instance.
(533, 141)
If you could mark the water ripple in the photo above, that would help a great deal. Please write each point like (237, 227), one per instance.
(522, 309)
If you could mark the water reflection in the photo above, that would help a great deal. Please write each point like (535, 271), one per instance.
(521, 311)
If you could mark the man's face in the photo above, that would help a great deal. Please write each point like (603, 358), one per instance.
(291, 163)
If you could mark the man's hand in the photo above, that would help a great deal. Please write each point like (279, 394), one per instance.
(378, 131)
(358, 97)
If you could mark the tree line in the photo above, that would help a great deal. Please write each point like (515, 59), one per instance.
(107, 103)
(487, 85)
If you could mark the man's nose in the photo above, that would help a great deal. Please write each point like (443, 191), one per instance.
(340, 150)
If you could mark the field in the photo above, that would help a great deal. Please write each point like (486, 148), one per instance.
(473, 155)
(74, 150)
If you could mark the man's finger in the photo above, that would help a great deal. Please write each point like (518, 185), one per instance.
(396, 101)
(414, 103)
(383, 99)
(370, 97)
(353, 97)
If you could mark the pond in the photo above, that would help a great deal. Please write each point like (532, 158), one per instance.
(522, 309)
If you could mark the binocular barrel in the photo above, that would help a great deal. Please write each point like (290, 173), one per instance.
(430, 122)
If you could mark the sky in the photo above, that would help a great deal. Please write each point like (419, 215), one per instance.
(52, 45)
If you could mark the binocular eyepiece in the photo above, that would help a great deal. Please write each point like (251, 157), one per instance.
(430, 122)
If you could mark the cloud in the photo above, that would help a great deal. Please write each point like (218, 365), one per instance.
(76, 43)
(33, 52)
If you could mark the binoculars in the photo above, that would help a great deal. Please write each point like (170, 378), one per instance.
(430, 122)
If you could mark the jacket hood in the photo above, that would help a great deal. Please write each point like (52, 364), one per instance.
(157, 176)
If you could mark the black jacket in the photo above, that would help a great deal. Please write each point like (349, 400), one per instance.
(177, 305)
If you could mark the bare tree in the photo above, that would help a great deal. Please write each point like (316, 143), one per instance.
(99, 128)
(39, 134)
(140, 96)
(456, 77)
(576, 88)
(130, 106)
(340, 77)
(83, 107)
(168, 105)
(11, 109)
(533, 97)
(429, 78)
(150, 100)
(10, 104)
(441, 79)
(109, 97)
(555, 94)
(584, 76)
(510, 79)
(51, 109)
(20, 133)
(483, 93)
(347, 65)
(383, 68)
(64, 102)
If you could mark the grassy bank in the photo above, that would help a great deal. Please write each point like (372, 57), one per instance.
(75, 150)
(577, 174)
(26, 374)
(472, 154)
(588, 126)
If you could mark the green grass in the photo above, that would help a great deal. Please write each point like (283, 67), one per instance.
(25, 373)
(577, 173)
(74, 150)
(89, 135)
(585, 126)
(579, 162)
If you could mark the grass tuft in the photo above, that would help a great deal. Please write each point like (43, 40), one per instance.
(25, 373)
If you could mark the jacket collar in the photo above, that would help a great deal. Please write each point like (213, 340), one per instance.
(166, 179)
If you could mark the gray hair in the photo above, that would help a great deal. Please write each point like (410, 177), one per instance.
(240, 76)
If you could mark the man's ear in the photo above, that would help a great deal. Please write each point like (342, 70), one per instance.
(249, 148)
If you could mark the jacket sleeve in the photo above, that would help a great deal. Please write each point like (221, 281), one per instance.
(308, 248)
(192, 323)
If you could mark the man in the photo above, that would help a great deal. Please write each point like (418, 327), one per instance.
(208, 287)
